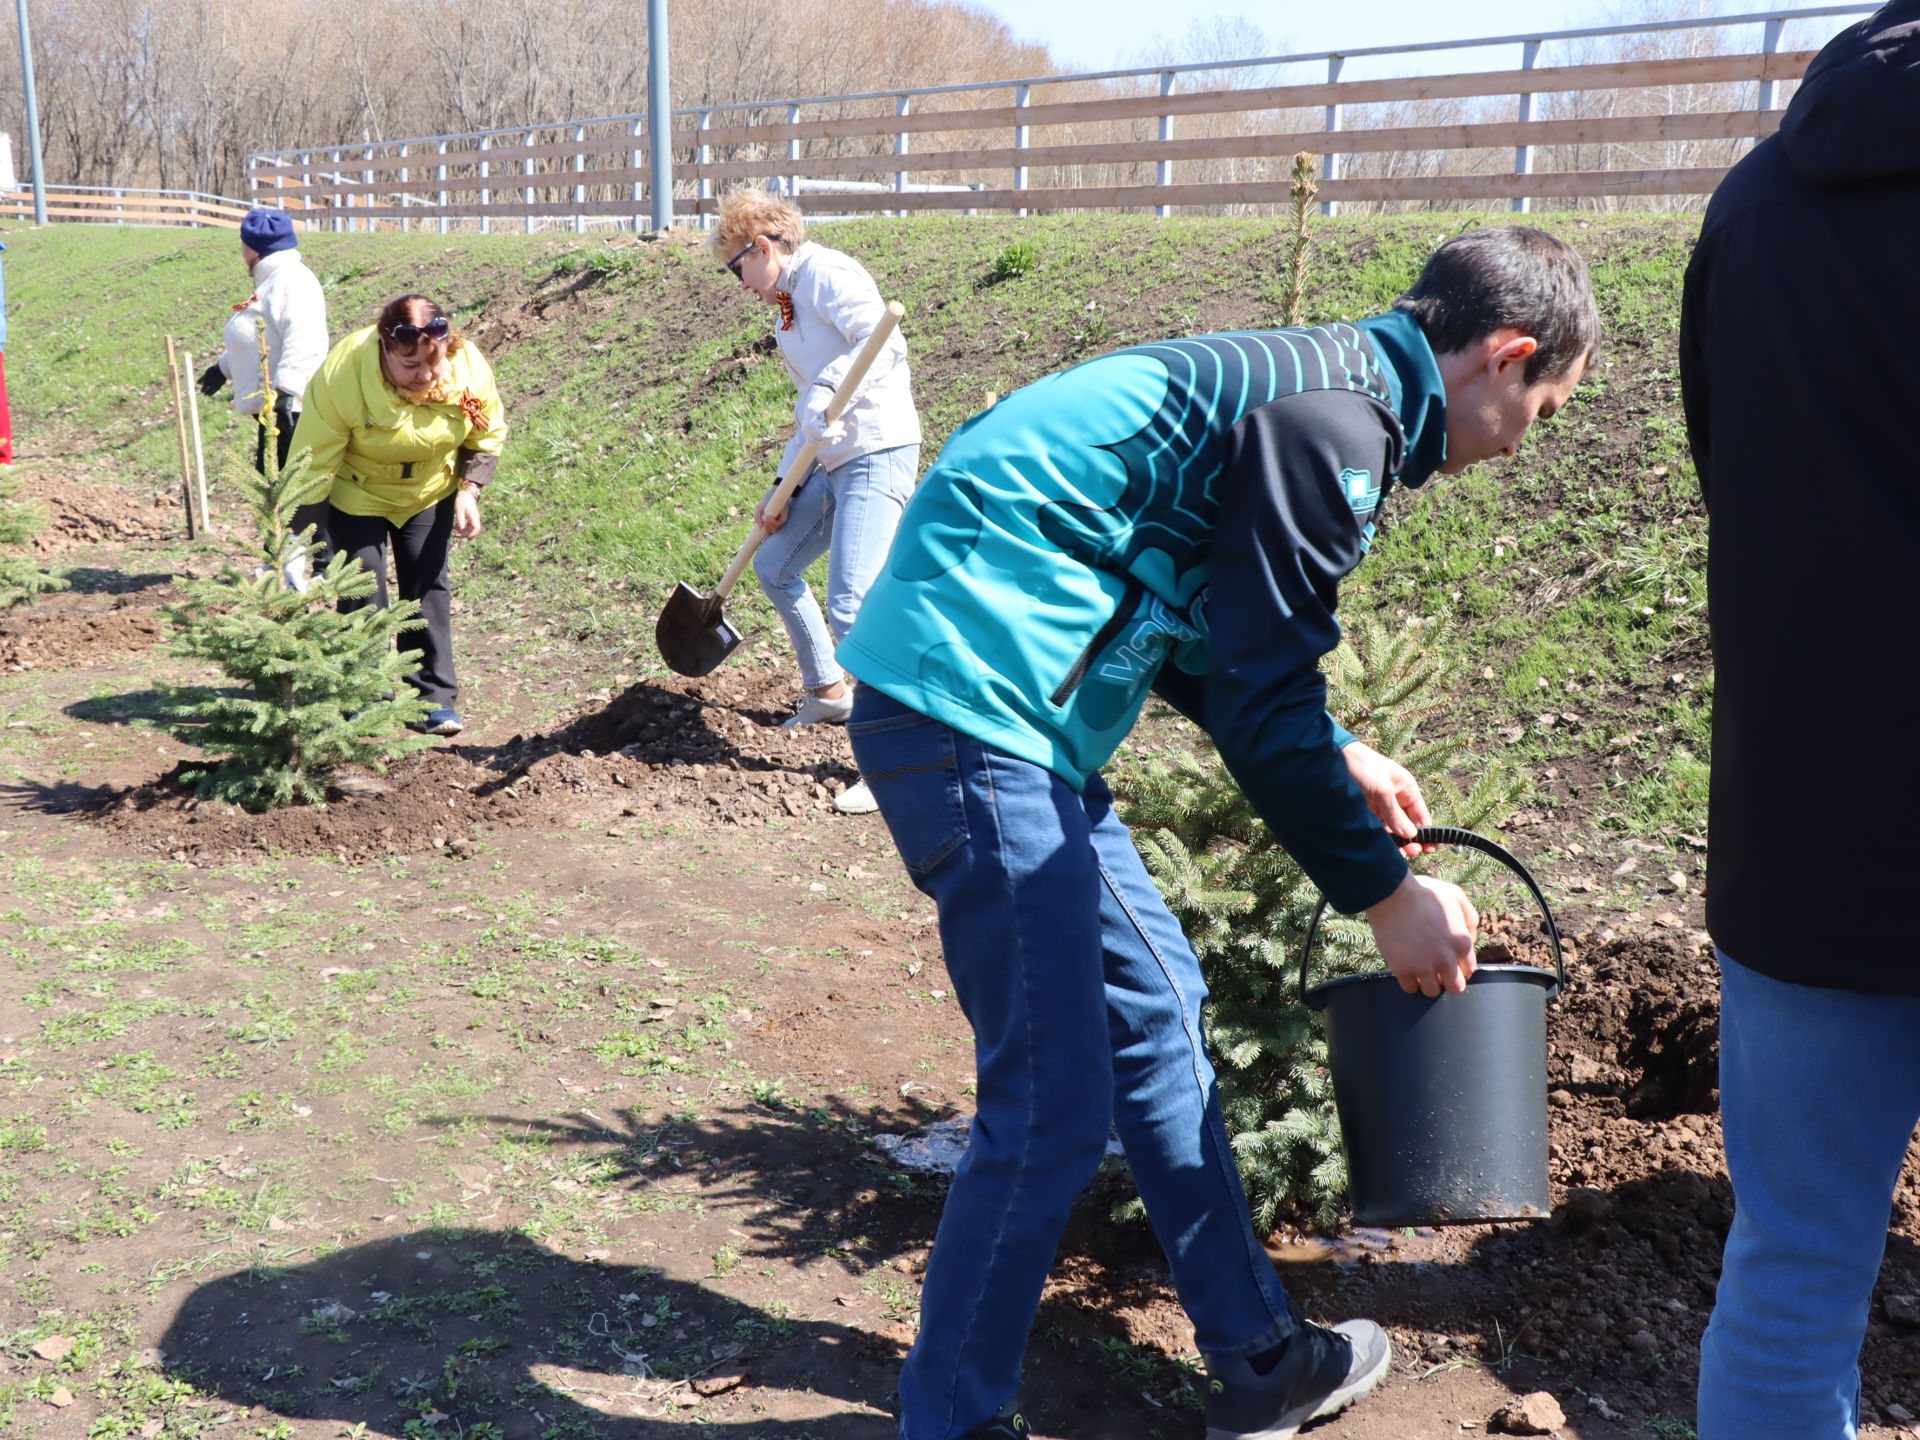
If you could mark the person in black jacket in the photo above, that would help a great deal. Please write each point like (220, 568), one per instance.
(1800, 367)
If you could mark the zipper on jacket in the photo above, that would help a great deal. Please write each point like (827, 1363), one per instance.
(1105, 636)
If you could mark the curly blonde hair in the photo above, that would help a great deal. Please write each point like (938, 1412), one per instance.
(750, 212)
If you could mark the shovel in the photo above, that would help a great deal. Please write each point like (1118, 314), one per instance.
(692, 632)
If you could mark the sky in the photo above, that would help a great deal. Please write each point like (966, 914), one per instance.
(1098, 34)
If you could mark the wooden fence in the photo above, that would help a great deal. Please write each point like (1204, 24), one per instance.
(102, 205)
(1109, 141)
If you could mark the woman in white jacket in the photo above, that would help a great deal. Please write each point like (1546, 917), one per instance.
(289, 305)
(850, 505)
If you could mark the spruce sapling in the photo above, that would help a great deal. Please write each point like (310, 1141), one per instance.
(20, 579)
(322, 686)
(1244, 905)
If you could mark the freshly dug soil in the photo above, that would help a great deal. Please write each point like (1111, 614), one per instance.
(71, 628)
(79, 514)
(708, 749)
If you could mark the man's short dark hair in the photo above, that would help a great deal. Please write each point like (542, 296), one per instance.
(1508, 276)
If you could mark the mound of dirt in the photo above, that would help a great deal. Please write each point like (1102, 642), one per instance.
(74, 629)
(79, 514)
(708, 749)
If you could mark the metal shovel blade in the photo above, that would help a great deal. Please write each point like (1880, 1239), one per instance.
(692, 633)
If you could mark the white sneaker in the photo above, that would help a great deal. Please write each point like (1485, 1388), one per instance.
(856, 799)
(817, 711)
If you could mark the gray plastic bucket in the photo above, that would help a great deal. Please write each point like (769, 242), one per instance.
(1443, 1102)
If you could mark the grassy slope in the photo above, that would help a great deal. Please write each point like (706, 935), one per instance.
(647, 406)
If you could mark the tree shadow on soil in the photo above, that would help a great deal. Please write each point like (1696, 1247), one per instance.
(96, 580)
(480, 1327)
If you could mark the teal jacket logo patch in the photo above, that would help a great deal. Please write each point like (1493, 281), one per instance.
(1363, 491)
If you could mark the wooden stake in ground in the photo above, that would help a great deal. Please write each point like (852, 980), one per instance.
(199, 449)
(1302, 191)
(180, 433)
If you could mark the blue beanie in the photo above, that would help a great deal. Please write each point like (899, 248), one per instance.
(265, 231)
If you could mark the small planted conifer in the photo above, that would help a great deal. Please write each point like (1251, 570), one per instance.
(323, 689)
(21, 580)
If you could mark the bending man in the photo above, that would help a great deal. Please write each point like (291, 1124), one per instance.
(1174, 517)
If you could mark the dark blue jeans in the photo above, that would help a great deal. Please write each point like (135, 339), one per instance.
(1085, 1003)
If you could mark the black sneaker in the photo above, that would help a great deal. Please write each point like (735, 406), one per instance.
(1316, 1373)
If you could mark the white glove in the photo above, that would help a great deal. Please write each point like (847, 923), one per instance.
(813, 418)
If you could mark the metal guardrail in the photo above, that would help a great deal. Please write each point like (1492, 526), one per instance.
(269, 171)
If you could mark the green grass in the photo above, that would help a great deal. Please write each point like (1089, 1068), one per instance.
(648, 408)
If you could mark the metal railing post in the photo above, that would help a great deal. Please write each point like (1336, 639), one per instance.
(1163, 172)
(526, 191)
(579, 188)
(1022, 94)
(1523, 155)
(900, 146)
(1769, 95)
(793, 153)
(486, 193)
(704, 191)
(659, 116)
(634, 156)
(339, 221)
(1330, 162)
(406, 176)
(440, 174)
(366, 198)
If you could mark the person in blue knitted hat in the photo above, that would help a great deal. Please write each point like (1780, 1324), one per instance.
(288, 304)
(266, 232)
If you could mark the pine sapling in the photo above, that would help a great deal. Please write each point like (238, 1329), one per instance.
(323, 689)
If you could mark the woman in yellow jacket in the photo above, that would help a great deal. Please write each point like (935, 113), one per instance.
(406, 417)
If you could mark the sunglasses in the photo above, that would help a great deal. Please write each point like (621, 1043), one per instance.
(733, 265)
(408, 336)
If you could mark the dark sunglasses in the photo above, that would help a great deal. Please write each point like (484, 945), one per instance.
(733, 265)
(408, 336)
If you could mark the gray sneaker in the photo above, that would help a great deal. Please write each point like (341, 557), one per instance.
(1318, 1372)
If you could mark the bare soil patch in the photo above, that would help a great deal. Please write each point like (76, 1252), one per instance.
(80, 628)
(709, 749)
(81, 514)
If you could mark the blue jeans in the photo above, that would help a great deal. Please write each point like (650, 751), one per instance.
(854, 510)
(1819, 1095)
(1085, 1003)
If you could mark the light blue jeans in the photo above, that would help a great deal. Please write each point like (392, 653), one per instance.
(1819, 1095)
(1085, 1002)
(849, 515)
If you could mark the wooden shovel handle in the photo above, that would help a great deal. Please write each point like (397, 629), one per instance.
(803, 462)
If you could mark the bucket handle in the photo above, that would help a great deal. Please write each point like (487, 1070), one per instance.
(1453, 835)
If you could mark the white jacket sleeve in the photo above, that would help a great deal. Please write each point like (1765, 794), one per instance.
(846, 294)
(296, 314)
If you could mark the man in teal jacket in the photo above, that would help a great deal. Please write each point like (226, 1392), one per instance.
(1176, 518)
